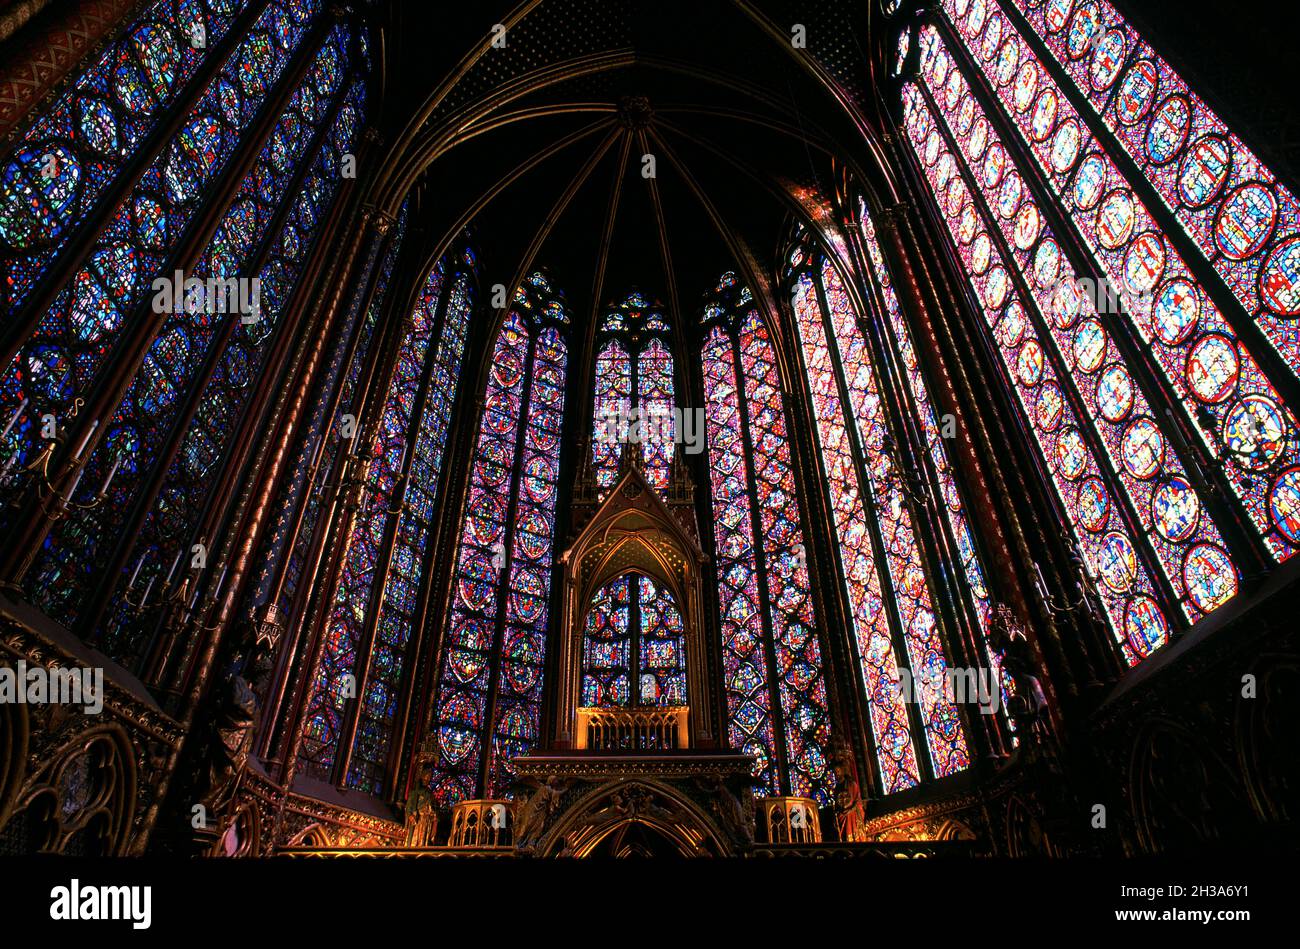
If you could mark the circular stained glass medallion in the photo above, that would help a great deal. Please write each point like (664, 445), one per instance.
(1137, 93)
(1209, 576)
(1071, 454)
(1144, 625)
(1279, 279)
(1254, 430)
(1117, 562)
(1204, 170)
(1175, 510)
(1142, 448)
(1176, 313)
(1167, 132)
(1213, 368)
(1284, 504)
(1093, 505)
(1246, 221)
(1115, 394)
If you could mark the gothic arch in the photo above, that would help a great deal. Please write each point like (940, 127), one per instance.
(1181, 789)
(633, 531)
(86, 792)
(1264, 735)
(605, 810)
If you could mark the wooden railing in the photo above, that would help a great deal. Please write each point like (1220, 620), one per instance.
(645, 728)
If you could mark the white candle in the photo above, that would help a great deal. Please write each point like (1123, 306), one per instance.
(117, 462)
(76, 481)
(86, 440)
(18, 412)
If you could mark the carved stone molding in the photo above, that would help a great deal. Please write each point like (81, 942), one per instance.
(111, 766)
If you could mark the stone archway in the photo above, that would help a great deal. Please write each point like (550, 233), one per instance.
(630, 817)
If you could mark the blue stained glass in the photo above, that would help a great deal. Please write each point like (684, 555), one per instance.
(196, 322)
(61, 166)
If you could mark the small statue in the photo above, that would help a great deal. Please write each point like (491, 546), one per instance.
(421, 809)
(734, 812)
(848, 798)
(1028, 701)
(536, 809)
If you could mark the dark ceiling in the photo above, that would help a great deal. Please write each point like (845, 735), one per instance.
(734, 121)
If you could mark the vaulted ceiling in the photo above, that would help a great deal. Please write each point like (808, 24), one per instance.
(540, 146)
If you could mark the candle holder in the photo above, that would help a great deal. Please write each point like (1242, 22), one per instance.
(1083, 599)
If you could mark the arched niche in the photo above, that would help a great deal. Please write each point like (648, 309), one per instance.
(633, 532)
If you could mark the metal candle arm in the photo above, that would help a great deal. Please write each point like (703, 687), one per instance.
(1057, 608)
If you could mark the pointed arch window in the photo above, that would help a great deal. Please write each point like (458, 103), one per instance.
(356, 693)
(896, 622)
(285, 575)
(1221, 384)
(634, 646)
(771, 640)
(294, 175)
(1242, 218)
(634, 369)
(111, 288)
(488, 706)
(60, 168)
(923, 409)
(1139, 460)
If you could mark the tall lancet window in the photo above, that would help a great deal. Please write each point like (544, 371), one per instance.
(938, 459)
(771, 640)
(122, 331)
(634, 646)
(381, 592)
(1237, 215)
(1170, 448)
(894, 616)
(488, 705)
(634, 370)
(61, 167)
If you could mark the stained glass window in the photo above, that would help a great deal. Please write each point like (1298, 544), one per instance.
(490, 685)
(311, 472)
(1104, 535)
(634, 646)
(196, 325)
(1240, 216)
(56, 174)
(877, 539)
(112, 289)
(1136, 501)
(379, 592)
(634, 370)
(771, 647)
(922, 408)
(1210, 374)
(171, 523)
